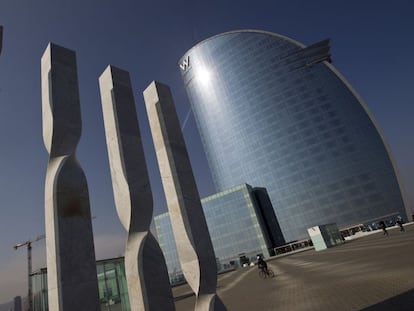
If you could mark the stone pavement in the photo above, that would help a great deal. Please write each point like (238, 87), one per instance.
(372, 273)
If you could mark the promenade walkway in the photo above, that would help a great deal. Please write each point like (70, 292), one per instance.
(371, 273)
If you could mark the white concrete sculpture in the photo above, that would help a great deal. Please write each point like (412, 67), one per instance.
(146, 272)
(191, 234)
(71, 265)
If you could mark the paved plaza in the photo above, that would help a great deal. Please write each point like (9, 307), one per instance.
(371, 273)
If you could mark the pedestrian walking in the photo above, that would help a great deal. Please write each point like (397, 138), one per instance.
(400, 224)
(383, 227)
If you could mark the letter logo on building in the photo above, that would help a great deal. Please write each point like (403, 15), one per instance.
(185, 63)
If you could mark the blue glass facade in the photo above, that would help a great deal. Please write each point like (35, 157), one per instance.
(166, 240)
(273, 112)
(236, 223)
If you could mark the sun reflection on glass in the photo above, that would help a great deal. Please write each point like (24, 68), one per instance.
(203, 75)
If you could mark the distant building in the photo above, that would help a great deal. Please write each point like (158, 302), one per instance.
(17, 301)
(113, 291)
(241, 222)
(276, 113)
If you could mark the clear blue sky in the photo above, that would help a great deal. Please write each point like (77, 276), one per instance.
(372, 46)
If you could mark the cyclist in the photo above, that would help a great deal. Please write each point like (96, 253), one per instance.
(262, 265)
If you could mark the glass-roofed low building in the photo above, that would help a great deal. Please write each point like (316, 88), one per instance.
(241, 223)
(277, 113)
(113, 291)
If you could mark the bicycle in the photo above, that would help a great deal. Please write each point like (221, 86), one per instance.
(266, 273)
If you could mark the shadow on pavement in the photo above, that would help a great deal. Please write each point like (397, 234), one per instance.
(402, 302)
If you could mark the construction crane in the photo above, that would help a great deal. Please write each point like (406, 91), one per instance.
(29, 266)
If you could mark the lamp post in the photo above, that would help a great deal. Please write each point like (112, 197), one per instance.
(1, 37)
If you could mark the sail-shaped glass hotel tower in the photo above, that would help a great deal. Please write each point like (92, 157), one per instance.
(276, 114)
